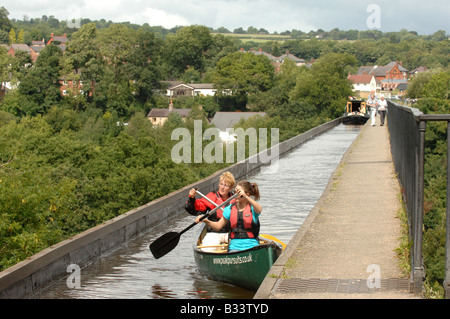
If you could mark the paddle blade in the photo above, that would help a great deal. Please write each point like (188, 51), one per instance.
(274, 239)
(164, 244)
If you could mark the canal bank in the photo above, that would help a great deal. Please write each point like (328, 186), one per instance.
(346, 246)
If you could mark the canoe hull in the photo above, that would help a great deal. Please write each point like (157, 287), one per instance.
(246, 268)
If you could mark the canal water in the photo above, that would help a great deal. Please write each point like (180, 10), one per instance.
(288, 194)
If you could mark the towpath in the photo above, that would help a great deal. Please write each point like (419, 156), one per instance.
(345, 249)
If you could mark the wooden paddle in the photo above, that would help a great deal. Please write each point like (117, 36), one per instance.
(167, 242)
(264, 236)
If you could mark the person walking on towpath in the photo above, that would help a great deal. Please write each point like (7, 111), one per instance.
(382, 108)
(372, 102)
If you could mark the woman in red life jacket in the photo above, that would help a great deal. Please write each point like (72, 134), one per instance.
(242, 216)
(202, 206)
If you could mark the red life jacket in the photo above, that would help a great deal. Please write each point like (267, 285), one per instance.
(242, 224)
(216, 198)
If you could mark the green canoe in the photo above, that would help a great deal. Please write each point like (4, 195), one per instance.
(246, 268)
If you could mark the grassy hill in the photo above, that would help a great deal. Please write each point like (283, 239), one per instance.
(257, 37)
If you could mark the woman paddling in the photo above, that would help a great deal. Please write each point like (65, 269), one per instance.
(202, 206)
(243, 217)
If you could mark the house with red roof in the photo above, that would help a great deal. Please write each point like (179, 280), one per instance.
(58, 40)
(393, 70)
(390, 75)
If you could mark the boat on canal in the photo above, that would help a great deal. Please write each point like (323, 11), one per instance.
(246, 268)
(356, 112)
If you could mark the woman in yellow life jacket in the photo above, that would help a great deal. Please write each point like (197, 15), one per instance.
(243, 216)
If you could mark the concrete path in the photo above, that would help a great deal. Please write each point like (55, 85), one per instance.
(346, 246)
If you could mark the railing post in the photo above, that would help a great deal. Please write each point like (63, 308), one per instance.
(447, 241)
(418, 270)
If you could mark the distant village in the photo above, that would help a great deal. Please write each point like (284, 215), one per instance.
(386, 79)
(37, 46)
(383, 78)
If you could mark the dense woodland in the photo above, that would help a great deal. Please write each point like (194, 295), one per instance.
(68, 163)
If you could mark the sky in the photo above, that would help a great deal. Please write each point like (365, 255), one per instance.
(424, 17)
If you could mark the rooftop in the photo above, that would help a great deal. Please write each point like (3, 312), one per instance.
(224, 120)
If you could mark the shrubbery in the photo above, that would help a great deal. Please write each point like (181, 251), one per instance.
(434, 87)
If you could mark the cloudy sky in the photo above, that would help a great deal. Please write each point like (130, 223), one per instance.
(425, 17)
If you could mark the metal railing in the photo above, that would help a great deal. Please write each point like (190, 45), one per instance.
(407, 128)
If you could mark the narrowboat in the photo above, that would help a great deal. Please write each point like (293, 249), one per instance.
(246, 268)
(356, 112)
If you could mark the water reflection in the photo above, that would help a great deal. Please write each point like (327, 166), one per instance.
(158, 292)
(286, 197)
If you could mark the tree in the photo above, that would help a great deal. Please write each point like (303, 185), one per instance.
(415, 88)
(243, 74)
(326, 86)
(223, 30)
(12, 36)
(5, 65)
(239, 30)
(53, 22)
(41, 84)
(252, 30)
(306, 49)
(84, 54)
(5, 23)
(222, 45)
(433, 89)
(276, 49)
(439, 35)
(277, 101)
(438, 87)
(142, 66)
(188, 47)
(114, 91)
(21, 36)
